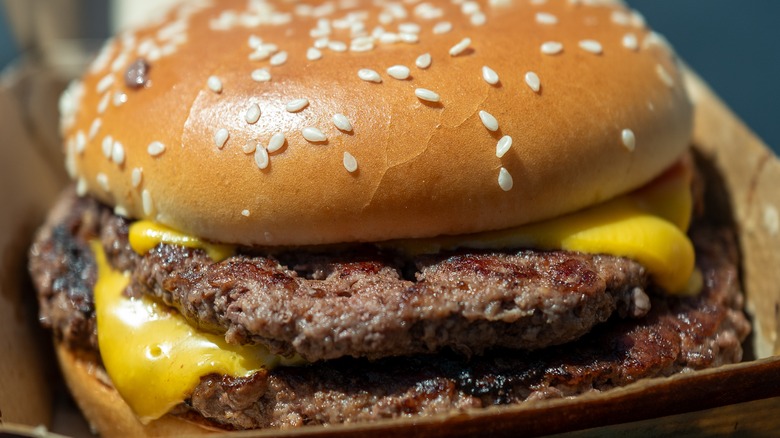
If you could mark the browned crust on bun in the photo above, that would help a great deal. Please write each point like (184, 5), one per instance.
(105, 410)
(423, 168)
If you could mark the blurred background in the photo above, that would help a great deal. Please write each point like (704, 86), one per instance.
(733, 44)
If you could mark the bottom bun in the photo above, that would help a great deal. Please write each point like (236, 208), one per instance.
(106, 411)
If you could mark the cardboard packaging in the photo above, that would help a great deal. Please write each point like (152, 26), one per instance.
(742, 398)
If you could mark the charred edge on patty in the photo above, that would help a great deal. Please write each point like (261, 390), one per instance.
(678, 333)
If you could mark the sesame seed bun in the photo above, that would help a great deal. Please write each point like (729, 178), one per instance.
(380, 148)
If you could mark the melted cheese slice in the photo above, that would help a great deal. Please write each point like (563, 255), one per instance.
(154, 358)
(145, 235)
(647, 225)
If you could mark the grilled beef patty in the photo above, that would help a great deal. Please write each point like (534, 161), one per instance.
(353, 303)
(447, 294)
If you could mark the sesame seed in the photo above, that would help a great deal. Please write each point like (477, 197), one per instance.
(81, 142)
(591, 46)
(321, 43)
(369, 75)
(254, 41)
(488, 120)
(423, 61)
(630, 41)
(136, 177)
(121, 211)
(469, 7)
(252, 114)
(261, 158)
(94, 128)
(350, 163)
(666, 78)
(629, 139)
(259, 55)
(620, 18)
(118, 153)
(276, 142)
(146, 201)
(119, 99)
(296, 105)
(533, 82)
(637, 19)
(489, 75)
(505, 180)
(103, 104)
(656, 39)
(389, 38)
(342, 122)
(427, 95)
(107, 145)
(478, 19)
(313, 134)
(221, 137)
(552, 48)
(399, 72)
(409, 28)
(102, 180)
(155, 148)
(362, 44)
(250, 147)
(105, 83)
(442, 27)
(279, 58)
(313, 54)
(319, 32)
(261, 75)
(81, 187)
(337, 46)
(459, 48)
(545, 18)
(245, 213)
(214, 84)
(409, 38)
(503, 145)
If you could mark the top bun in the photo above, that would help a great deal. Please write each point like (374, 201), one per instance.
(164, 124)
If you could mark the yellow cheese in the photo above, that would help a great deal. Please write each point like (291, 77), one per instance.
(145, 235)
(647, 225)
(154, 358)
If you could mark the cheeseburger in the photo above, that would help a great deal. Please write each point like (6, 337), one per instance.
(288, 214)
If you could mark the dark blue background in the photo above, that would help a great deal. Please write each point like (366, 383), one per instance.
(733, 44)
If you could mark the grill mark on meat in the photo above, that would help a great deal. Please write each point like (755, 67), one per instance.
(678, 334)
(364, 308)
(358, 304)
(63, 270)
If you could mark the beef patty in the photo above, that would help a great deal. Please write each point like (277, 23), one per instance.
(522, 287)
(353, 303)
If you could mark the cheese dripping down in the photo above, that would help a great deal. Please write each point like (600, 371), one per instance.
(153, 356)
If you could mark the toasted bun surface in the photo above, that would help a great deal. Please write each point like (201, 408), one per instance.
(611, 113)
(104, 408)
